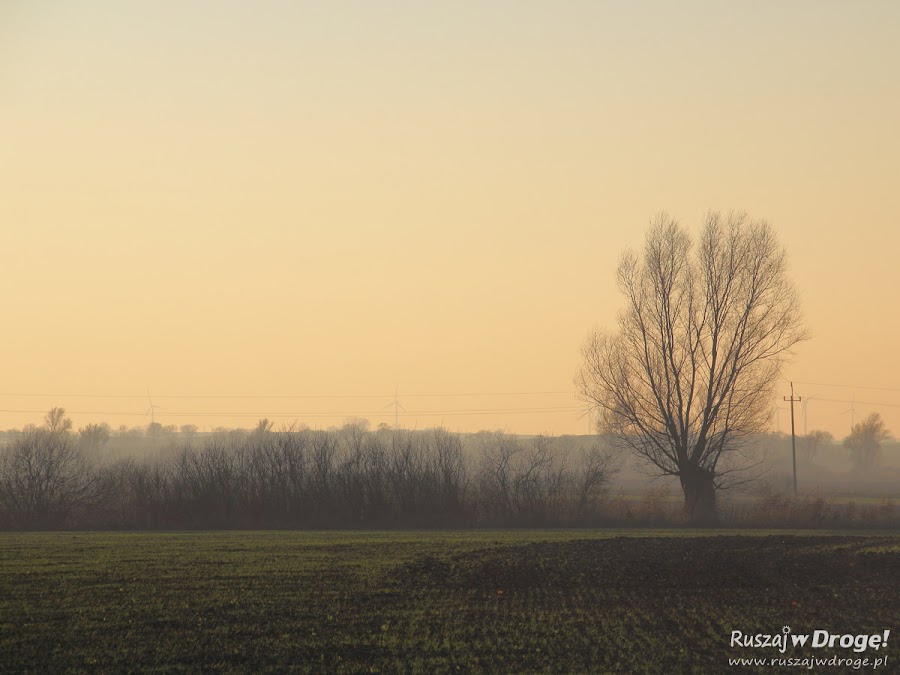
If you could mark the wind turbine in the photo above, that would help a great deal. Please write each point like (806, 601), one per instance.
(778, 409)
(588, 412)
(152, 412)
(852, 411)
(397, 407)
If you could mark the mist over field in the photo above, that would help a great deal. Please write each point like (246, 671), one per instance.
(440, 337)
(352, 476)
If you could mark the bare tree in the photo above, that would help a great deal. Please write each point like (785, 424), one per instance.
(94, 436)
(264, 426)
(701, 340)
(450, 473)
(810, 444)
(598, 467)
(44, 480)
(154, 431)
(539, 480)
(55, 421)
(864, 442)
(496, 475)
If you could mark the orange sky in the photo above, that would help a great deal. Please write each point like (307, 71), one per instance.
(210, 199)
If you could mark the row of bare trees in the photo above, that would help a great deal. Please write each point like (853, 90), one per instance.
(46, 482)
(349, 477)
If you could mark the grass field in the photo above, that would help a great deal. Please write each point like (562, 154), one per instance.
(497, 601)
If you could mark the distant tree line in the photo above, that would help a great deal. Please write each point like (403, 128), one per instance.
(347, 477)
(53, 477)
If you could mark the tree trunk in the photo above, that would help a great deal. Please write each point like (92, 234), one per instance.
(699, 495)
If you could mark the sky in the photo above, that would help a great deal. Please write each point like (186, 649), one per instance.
(305, 210)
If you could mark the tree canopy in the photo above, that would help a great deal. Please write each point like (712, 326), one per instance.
(864, 442)
(706, 327)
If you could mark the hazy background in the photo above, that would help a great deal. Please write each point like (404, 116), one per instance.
(271, 199)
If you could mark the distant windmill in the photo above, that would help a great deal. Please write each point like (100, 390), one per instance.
(397, 407)
(778, 409)
(852, 411)
(152, 412)
(589, 413)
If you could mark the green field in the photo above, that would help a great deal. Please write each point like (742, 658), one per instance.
(497, 601)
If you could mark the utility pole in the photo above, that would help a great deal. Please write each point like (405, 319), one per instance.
(793, 439)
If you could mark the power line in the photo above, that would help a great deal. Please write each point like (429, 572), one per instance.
(844, 386)
(79, 412)
(366, 396)
(858, 402)
(291, 396)
(342, 413)
(373, 396)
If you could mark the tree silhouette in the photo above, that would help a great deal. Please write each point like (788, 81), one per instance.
(44, 480)
(689, 374)
(864, 442)
(56, 422)
(94, 436)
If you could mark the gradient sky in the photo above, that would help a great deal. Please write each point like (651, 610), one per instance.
(352, 198)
